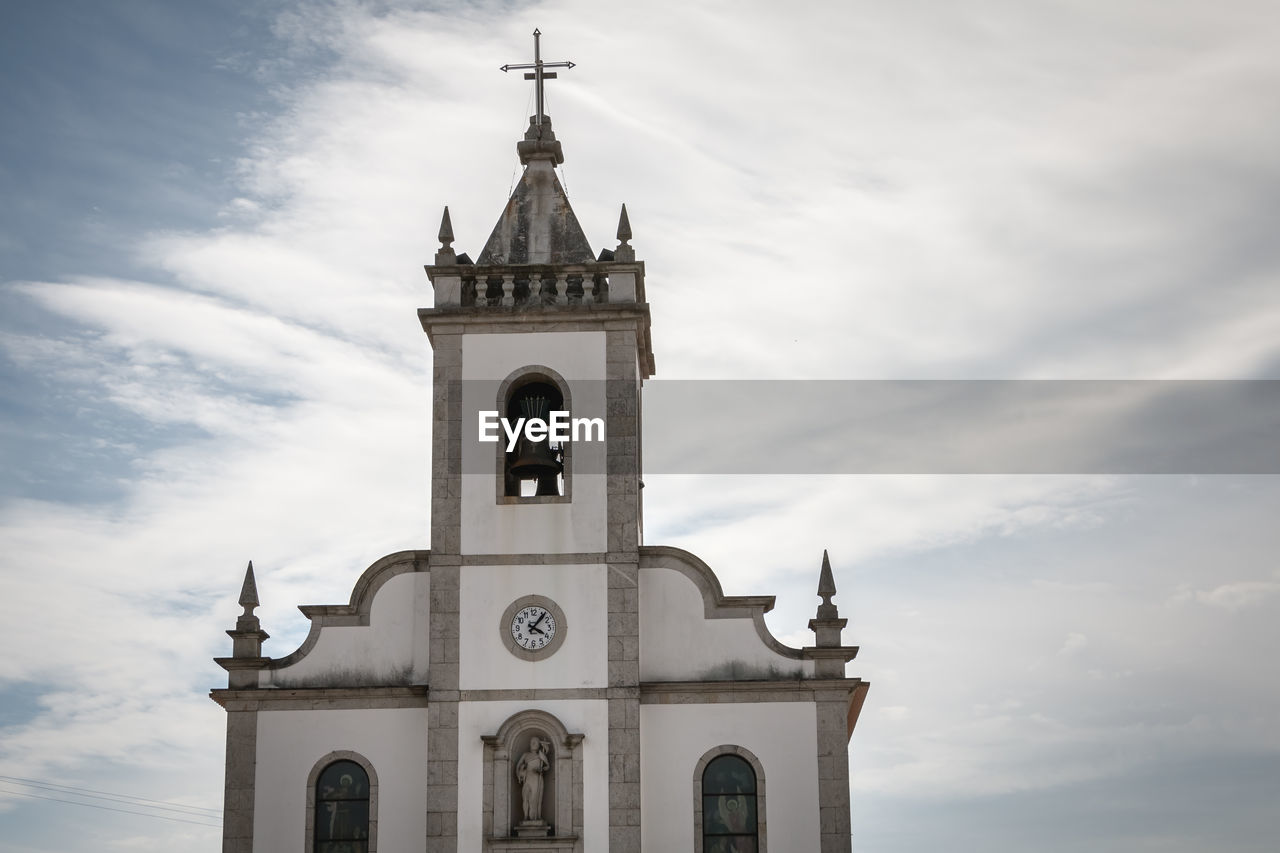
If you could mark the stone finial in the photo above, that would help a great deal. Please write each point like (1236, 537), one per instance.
(827, 624)
(446, 229)
(248, 634)
(826, 589)
(624, 225)
(249, 591)
(624, 252)
(445, 255)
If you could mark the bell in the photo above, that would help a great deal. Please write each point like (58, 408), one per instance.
(536, 460)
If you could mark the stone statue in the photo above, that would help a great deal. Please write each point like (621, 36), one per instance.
(529, 772)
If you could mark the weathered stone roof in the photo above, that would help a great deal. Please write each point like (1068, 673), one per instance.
(538, 225)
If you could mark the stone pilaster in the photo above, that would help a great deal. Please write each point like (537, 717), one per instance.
(833, 770)
(624, 591)
(446, 543)
(238, 793)
(442, 711)
(446, 442)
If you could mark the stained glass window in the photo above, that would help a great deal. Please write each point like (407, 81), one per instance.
(342, 809)
(729, 819)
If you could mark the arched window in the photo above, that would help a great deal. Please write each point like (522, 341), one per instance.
(730, 817)
(342, 820)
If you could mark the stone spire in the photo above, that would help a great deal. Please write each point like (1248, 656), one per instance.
(624, 252)
(445, 255)
(537, 226)
(246, 640)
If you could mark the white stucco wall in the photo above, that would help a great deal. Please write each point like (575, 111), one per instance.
(583, 716)
(484, 594)
(559, 528)
(678, 642)
(783, 735)
(290, 743)
(395, 640)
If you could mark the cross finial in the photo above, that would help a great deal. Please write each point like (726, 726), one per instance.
(538, 74)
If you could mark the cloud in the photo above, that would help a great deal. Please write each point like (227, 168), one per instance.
(1231, 596)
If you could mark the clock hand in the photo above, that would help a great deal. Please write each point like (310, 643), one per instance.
(536, 622)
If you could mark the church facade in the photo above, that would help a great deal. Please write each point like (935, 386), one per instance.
(540, 679)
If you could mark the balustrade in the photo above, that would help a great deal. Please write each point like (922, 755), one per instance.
(513, 290)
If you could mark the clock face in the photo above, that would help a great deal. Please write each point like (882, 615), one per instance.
(533, 627)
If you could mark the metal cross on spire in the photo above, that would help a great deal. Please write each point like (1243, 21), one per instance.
(538, 74)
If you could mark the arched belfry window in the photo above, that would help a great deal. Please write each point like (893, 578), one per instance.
(342, 804)
(536, 467)
(729, 786)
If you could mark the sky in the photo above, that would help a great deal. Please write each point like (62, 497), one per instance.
(211, 245)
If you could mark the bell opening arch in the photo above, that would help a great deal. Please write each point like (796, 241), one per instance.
(533, 471)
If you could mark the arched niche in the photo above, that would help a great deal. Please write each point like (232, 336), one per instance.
(562, 789)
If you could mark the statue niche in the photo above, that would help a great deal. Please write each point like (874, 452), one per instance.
(533, 784)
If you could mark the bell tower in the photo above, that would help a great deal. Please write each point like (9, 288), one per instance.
(537, 324)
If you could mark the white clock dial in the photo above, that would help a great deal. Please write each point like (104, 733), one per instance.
(533, 627)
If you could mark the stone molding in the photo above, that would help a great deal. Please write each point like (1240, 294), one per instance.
(567, 777)
(717, 605)
(848, 690)
(700, 768)
(314, 776)
(534, 655)
(320, 698)
(533, 694)
(550, 844)
(598, 558)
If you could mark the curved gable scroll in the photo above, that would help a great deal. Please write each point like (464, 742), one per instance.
(356, 611)
(717, 605)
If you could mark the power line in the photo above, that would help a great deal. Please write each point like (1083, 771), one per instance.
(110, 809)
(126, 799)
